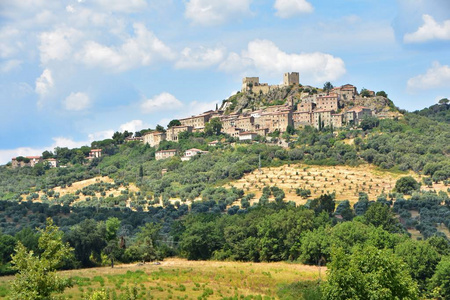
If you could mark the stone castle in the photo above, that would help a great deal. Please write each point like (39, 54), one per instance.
(253, 84)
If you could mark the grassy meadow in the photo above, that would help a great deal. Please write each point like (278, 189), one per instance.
(181, 279)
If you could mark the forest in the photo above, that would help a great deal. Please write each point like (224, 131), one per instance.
(229, 224)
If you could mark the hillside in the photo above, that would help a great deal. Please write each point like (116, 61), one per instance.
(327, 193)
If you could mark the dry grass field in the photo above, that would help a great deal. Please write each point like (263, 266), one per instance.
(345, 181)
(182, 279)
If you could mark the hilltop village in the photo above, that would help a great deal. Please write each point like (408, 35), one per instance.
(330, 108)
(251, 113)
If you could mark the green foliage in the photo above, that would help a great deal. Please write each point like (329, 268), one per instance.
(368, 273)
(213, 127)
(36, 278)
(379, 214)
(440, 282)
(382, 94)
(174, 122)
(406, 185)
(421, 258)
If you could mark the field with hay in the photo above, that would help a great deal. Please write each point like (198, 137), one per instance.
(182, 279)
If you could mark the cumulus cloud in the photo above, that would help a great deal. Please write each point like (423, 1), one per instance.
(141, 50)
(263, 56)
(199, 58)
(44, 83)
(77, 101)
(57, 45)
(133, 126)
(436, 76)
(290, 8)
(215, 12)
(430, 30)
(161, 102)
(100, 135)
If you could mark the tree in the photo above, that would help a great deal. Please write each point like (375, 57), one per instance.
(369, 123)
(382, 94)
(421, 258)
(365, 93)
(47, 154)
(160, 128)
(324, 203)
(440, 282)
(443, 101)
(213, 127)
(36, 277)
(380, 215)
(368, 273)
(327, 86)
(406, 185)
(88, 240)
(112, 227)
(174, 122)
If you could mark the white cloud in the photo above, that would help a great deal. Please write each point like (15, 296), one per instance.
(263, 56)
(142, 50)
(215, 12)
(128, 6)
(133, 126)
(70, 9)
(435, 77)
(290, 8)
(9, 41)
(77, 101)
(199, 58)
(100, 135)
(161, 102)
(430, 30)
(196, 107)
(10, 65)
(44, 83)
(57, 45)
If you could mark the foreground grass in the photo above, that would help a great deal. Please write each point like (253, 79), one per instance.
(181, 279)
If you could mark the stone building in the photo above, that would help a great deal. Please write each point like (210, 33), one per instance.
(322, 117)
(29, 161)
(95, 153)
(52, 162)
(328, 102)
(154, 138)
(301, 118)
(337, 120)
(305, 106)
(198, 121)
(247, 136)
(173, 132)
(188, 154)
(347, 91)
(163, 154)
(356, 114)
(291, 78)
(276, 120)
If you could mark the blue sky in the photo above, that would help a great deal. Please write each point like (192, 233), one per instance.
(76, 71)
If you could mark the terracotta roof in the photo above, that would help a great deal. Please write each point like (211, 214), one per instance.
(247, 132)
(96, 150)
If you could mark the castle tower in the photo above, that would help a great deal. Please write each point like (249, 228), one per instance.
(291, 78)
(249, 82)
